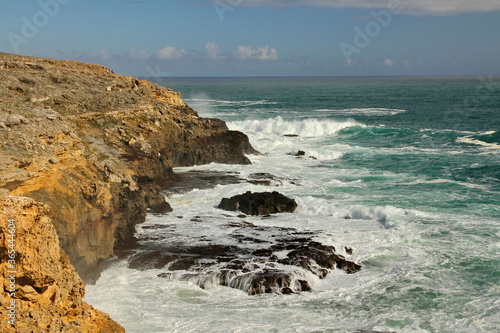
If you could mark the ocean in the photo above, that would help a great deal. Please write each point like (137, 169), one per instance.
(405, 171)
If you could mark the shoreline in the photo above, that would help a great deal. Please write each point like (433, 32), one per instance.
(94, 149)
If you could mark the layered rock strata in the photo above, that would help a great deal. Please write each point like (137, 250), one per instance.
(97, 148)
(41, 290)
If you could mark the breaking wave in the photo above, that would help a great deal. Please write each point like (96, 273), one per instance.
(304, 127)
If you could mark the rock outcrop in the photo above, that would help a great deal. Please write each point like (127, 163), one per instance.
(97, 148)
(271, 260)
(263, 203)
(42, 291)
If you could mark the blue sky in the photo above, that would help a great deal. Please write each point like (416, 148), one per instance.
(260, 37)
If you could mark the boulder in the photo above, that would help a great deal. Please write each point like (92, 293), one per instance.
(259, 203)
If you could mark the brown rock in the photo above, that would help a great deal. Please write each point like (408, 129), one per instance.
(98, 157)
(96, 148)
(48, 291)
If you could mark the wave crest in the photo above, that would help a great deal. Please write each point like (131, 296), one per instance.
(362, 112)
(305, 127)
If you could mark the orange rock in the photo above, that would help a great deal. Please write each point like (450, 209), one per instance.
(48, 291)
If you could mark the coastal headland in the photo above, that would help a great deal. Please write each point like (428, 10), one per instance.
(84, 154)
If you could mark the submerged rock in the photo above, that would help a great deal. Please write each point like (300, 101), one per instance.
(266, 260)
(268, 179)
(262, 203)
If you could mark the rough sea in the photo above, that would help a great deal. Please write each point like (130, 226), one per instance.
(405, 171)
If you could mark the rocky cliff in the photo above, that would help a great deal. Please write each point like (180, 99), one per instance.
(95, 149)
(41, 290)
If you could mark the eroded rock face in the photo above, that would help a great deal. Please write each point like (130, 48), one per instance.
(98, 148)
(48, 292)
(262, 203)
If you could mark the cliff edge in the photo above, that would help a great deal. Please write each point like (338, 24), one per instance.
(41, 290)
(92, 150)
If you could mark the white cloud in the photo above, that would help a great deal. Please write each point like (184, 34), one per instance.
(412, 7)
(106, 54)
(261, 53)
(212, 50)
(170, 53)
(137, 54)
(388, 62)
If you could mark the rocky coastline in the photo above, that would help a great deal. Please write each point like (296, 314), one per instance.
(84, 154)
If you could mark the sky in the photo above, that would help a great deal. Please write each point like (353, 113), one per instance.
(157, 38)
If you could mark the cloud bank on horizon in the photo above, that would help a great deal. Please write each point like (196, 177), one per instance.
(410, 7)
(261, 37)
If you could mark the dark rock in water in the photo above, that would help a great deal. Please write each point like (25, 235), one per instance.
(265, 270)
(324, 256)
(253, 258)
(270, 281)
(302, 154)
(299, 153)
(210, 250)
(161, 208)
(291, 135)
(261, 179)
(183, 182)
(182, 264)
(157, 204)
(267, 179)
(262, 203)
(151, 260)
(263, 253)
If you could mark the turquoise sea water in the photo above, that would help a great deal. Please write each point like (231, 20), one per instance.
(413, 162)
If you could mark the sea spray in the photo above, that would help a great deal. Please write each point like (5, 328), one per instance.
(415, 205)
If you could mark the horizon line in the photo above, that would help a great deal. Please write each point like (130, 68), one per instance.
(314, 76)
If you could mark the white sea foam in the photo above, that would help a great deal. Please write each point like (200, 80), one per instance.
(408, 282)
(470, 140)
(303, 128)
(385, 215)
(362, 111)
(399, 263)
(444, 181)
(207, 100)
